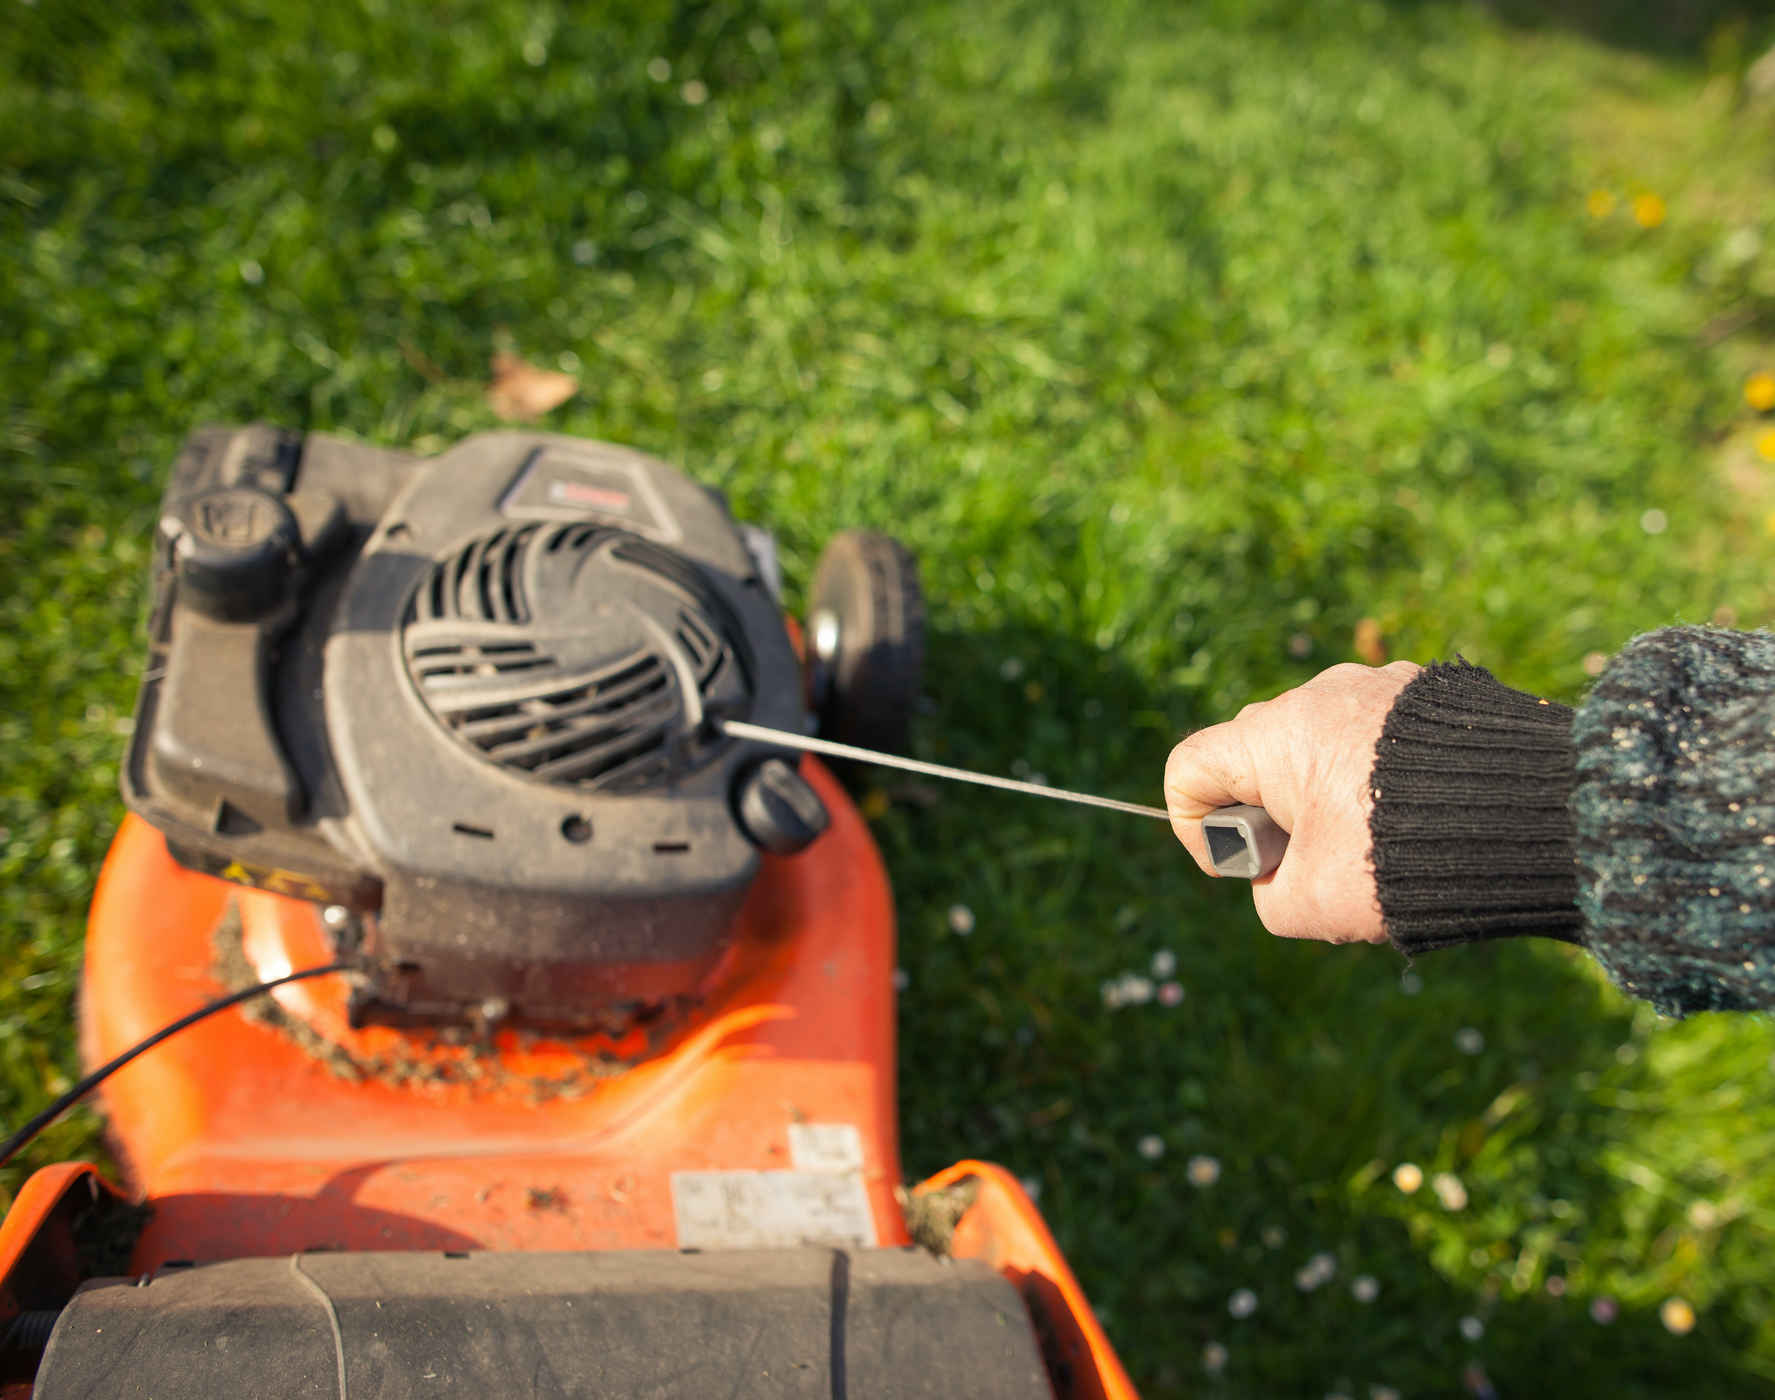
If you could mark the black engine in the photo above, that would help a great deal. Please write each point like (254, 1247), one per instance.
(468, 698)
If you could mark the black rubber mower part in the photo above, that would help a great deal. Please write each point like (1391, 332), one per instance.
(865, 640)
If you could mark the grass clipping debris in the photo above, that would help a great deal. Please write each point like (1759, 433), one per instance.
(932, 1215)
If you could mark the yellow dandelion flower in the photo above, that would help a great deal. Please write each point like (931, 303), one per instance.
(1648, 210)
(1766, 444)
(1677, 1316)
(1600, 204)
(1759, 391)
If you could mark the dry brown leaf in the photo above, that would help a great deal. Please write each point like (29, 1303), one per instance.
(521, 391)
(1370, 645)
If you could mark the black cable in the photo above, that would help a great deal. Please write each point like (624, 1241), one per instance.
(11, 1147)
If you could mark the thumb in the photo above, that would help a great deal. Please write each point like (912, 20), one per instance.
(1208, 769)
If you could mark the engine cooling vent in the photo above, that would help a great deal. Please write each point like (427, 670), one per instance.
(482, 583)
(574, 654)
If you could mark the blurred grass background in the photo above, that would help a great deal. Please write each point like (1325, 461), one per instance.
(1178, 342)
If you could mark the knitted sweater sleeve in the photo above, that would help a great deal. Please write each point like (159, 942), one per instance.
(1641, 826)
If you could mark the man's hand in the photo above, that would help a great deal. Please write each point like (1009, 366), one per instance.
(1306, 757)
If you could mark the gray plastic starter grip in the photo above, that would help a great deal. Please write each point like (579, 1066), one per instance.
(1243, 842)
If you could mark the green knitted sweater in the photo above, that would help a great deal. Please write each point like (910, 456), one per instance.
(1641, 826)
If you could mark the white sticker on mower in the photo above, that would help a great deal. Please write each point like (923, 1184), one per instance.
(825, 1147)
(770, 1209)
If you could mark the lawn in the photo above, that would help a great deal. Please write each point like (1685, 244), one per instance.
(1178, 342)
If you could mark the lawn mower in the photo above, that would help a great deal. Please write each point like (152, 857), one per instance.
(540, 1032)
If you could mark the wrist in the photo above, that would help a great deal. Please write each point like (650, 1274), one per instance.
(1472, 836)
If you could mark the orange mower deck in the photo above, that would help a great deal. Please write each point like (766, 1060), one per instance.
(253, 1136)
(251, 1143)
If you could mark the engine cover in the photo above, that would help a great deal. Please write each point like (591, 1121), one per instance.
(466, 695)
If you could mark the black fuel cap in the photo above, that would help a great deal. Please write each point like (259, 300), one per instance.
(778, 810)
(235, 550)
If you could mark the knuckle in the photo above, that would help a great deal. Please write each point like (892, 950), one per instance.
(1184, 759)
(1193, 745)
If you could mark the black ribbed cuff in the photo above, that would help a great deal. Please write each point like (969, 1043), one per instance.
(1472, 836)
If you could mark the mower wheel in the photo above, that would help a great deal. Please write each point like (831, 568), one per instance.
(865, 640)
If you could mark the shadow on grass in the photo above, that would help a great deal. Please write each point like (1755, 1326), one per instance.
(1295, 1075)
(1685, 30)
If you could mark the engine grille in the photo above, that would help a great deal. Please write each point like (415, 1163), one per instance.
(517, 651)
(481, 583)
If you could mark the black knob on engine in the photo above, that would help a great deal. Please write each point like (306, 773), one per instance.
(235, 551)
(778, 810)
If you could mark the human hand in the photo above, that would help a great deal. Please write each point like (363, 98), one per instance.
(1307, 758)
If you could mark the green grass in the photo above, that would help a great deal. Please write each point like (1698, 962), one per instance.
(1176, 343)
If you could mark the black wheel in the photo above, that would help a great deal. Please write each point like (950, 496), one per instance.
(865, 640)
